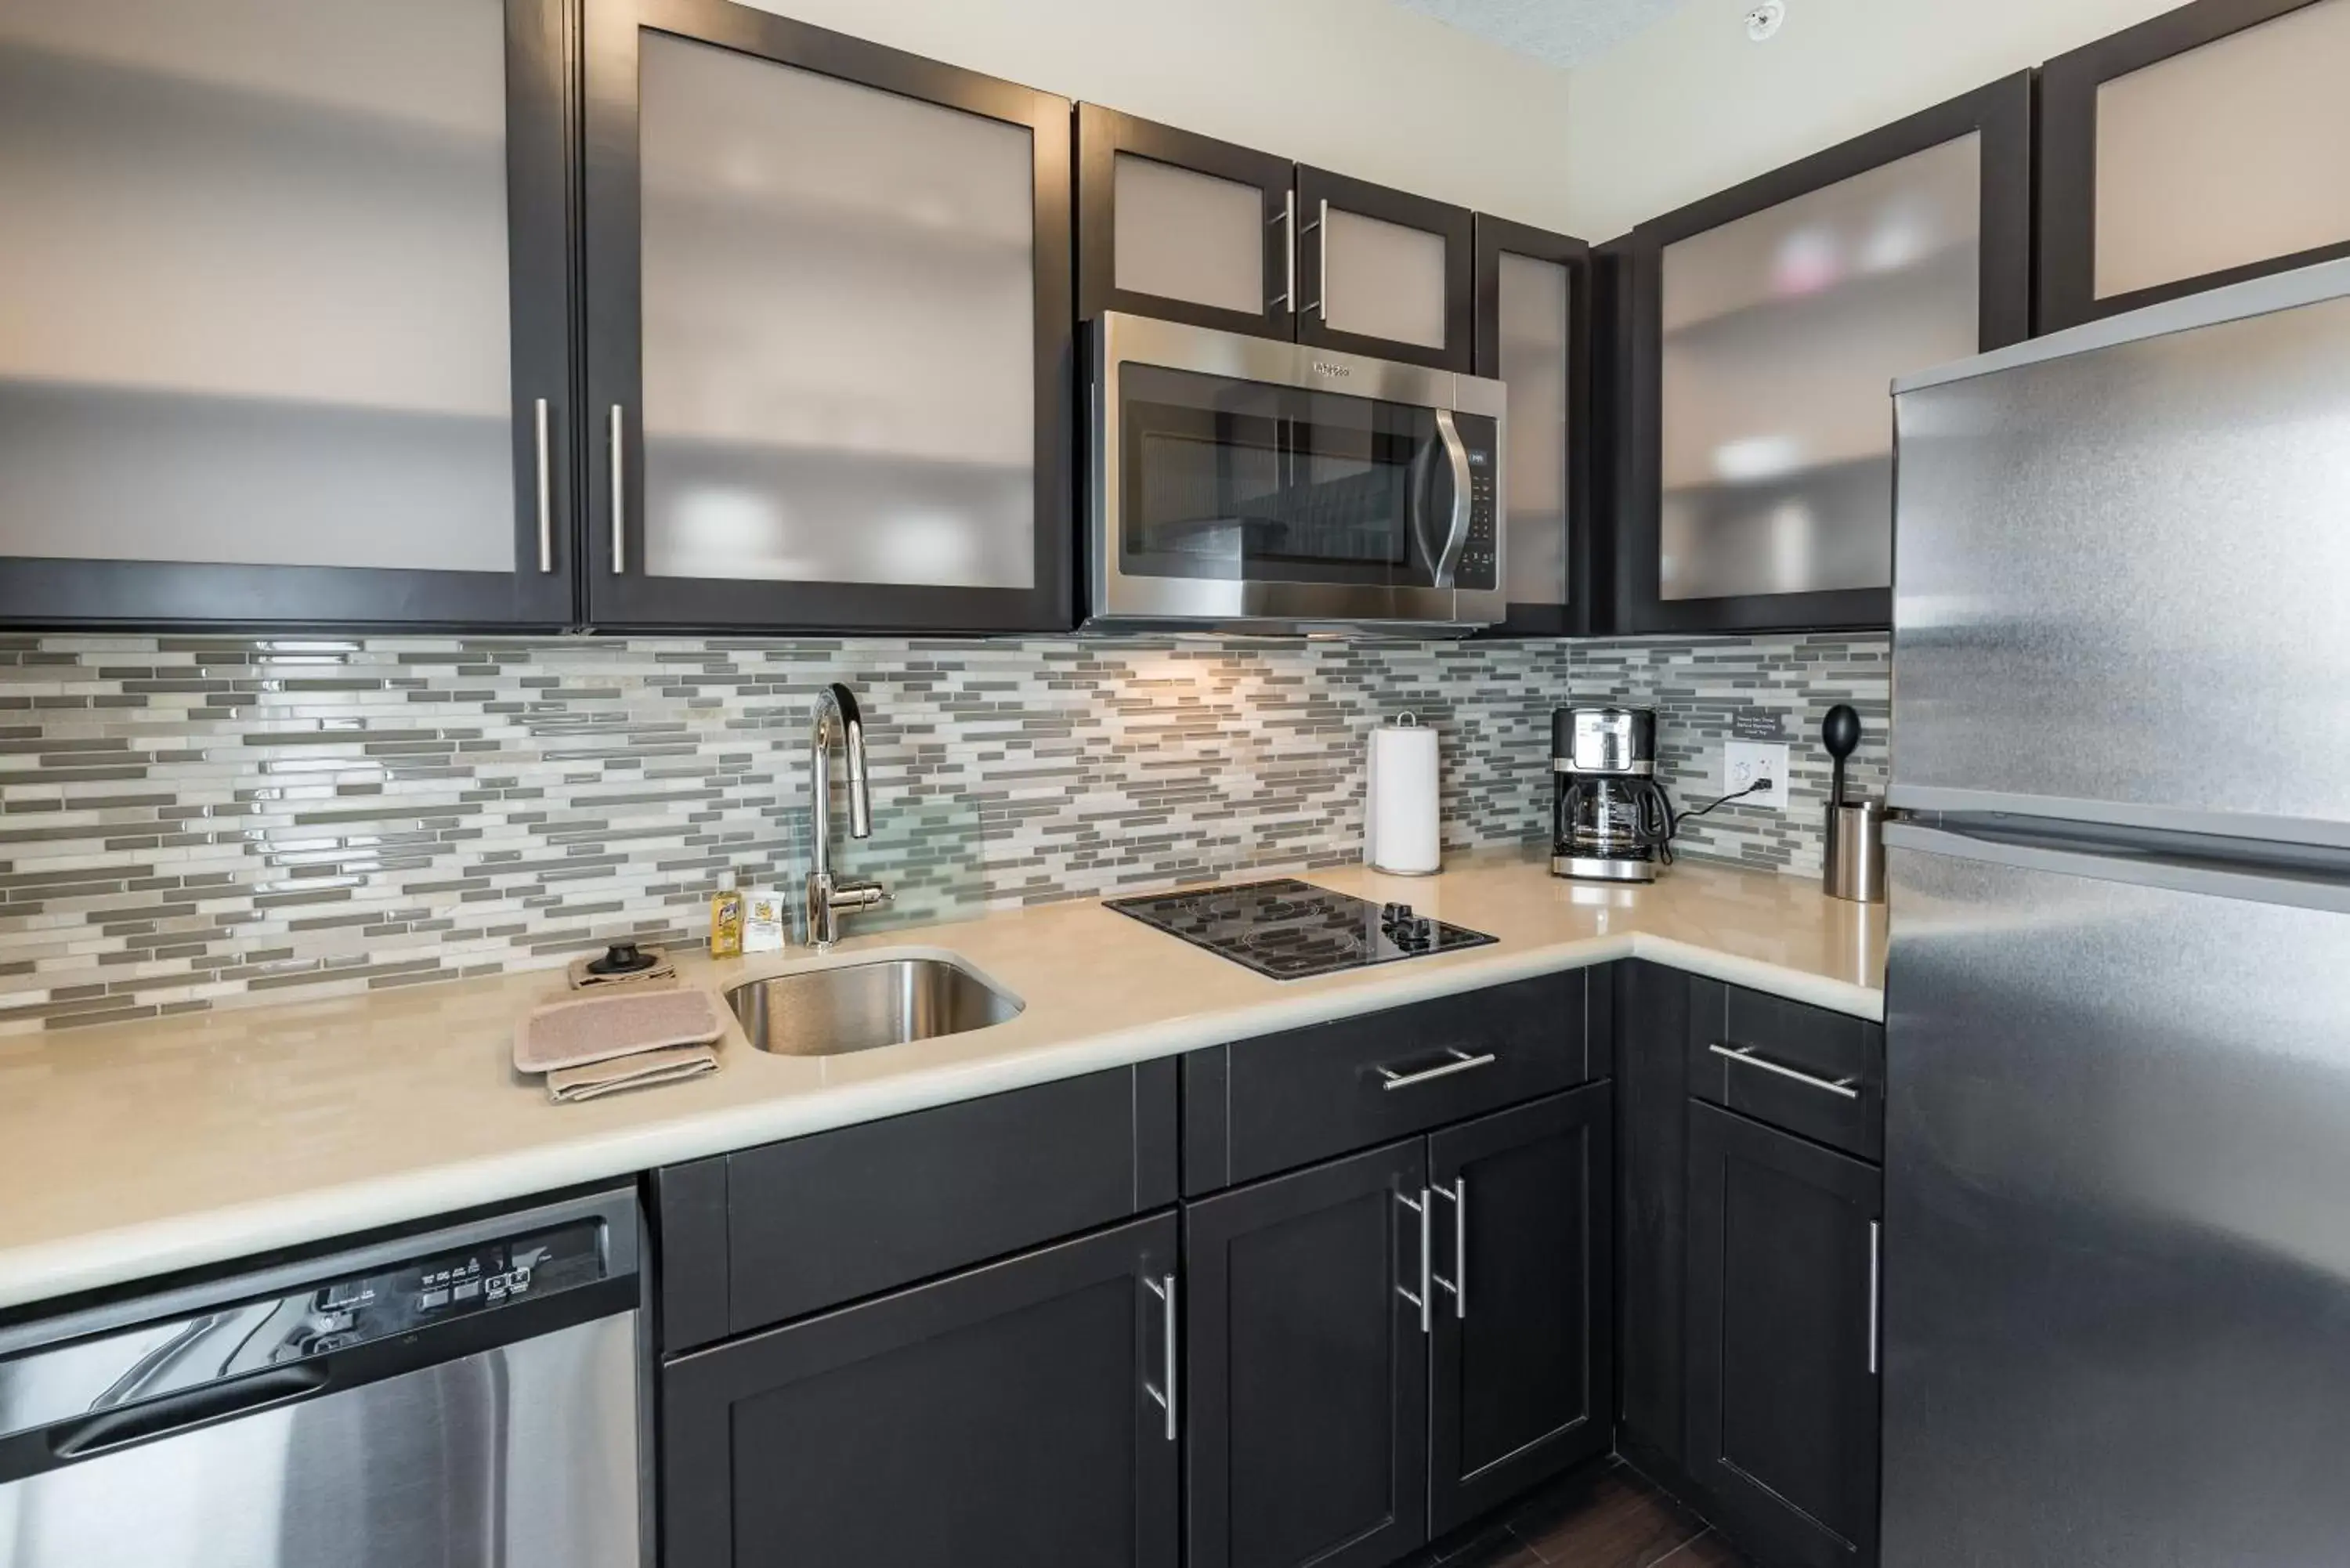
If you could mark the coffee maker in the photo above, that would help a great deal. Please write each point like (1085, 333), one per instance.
(1610, 820)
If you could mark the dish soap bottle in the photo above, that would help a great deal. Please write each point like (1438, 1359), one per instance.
(726, 920)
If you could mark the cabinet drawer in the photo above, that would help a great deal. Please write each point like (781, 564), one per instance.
(775, 1232)
(1283, 1100)
(1806, 1069)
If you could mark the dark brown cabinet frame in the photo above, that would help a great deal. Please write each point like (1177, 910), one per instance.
(541, 120)
(619, 593)
(1840, 1410)
(1587, 563)
(706, 1456)
(1472, 1354)
(1102, 135)
(2001, 113)
(2067, 153)
(1212, 1230)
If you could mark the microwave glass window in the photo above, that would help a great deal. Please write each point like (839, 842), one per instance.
(1247, 481)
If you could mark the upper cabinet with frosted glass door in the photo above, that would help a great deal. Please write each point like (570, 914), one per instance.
(829, 326)
(1188, 229)
(2208, 145)
(284, 313)
(1533, 322)
(1753, 343)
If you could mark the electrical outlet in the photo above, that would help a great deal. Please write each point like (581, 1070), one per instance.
(1743, 761)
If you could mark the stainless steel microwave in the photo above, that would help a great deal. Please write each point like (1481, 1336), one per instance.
(1238, 484)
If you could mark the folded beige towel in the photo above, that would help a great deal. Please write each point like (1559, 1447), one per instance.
(640, 1071)
(609, 1024)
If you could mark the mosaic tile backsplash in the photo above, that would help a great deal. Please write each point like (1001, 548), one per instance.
(190, 823)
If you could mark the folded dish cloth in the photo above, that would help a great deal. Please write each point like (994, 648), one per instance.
(640, 1071)
(619, 1039)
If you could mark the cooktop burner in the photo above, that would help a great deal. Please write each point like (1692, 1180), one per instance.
(1289, 929)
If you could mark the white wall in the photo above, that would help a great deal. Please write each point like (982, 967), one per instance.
(1690, 106)
(1361, 87)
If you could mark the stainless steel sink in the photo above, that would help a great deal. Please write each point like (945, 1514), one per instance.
(858, 1006)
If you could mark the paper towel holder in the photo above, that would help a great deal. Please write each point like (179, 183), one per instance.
(1406, 850)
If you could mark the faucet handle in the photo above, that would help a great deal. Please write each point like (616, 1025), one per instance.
(862, 893)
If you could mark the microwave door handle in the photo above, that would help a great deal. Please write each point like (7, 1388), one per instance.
(1456, 538)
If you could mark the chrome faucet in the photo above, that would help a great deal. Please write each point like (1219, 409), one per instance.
(827, 900)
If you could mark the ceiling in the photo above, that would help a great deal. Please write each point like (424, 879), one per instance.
(1556, 32)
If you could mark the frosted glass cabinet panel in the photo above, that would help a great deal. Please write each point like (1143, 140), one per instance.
(1182, 227)
(1384, 280)
(1182, 234)
(1765, 326)
(1384, 273)
(1782, 332)
(2210, 144)
(259, 267)
(1531, 325)
(1534, 297)
(844, 368)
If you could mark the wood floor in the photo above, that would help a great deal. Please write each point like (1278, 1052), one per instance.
(1606, 1517)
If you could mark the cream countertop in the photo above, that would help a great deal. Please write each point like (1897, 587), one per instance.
(139, 1148)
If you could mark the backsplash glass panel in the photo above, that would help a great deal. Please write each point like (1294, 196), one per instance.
(196, 822)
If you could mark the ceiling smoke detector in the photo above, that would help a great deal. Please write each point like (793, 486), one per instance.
(1763, 20)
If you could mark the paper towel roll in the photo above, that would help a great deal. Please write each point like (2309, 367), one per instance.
(1399, 818)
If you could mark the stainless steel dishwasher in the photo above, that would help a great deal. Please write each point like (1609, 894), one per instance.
(466, 1398)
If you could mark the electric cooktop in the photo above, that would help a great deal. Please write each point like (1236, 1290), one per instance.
(1289, 929)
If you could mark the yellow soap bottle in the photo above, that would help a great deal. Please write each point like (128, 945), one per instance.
(726, 920)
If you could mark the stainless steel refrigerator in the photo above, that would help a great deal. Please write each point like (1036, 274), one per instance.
(2117, 1141)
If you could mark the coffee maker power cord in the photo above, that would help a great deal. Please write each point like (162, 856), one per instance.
(1756, 787)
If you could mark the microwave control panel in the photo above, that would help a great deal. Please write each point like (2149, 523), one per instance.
(1480, 564)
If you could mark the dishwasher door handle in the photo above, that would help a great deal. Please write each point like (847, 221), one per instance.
(192, 1408)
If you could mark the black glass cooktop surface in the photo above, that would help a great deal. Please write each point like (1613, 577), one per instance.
(1290, 930)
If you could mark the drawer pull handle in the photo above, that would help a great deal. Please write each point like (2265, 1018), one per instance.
(1461, 1061)
(1163, 1288)
(1426, 1299)
(1843, 1088)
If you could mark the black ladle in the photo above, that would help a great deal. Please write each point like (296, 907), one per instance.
(1840, 732)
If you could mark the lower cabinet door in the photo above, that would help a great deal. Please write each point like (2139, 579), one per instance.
(1783, 1320)
(1524, 1377)
(1309, 1367)
(1005, 1417)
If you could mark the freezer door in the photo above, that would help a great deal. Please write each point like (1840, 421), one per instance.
(2118, 1214)
(2123, 578)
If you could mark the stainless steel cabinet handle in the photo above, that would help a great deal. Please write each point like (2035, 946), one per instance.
(1426, 1264)
(1163, 1287)
(1875, 1287)
(618, 434)
(1289, 222)
(1461, 1061)
(1321, 225)
(1458, 1283)
(1843, 1088)
(542, 447)
(1322, 265)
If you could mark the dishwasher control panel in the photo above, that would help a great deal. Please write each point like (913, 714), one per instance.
(382, 1295)
(362, 1307)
